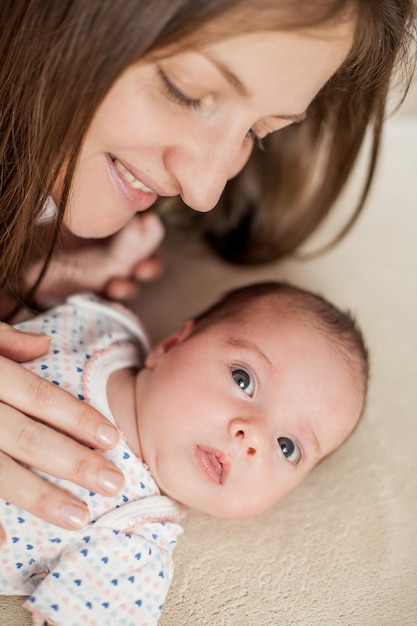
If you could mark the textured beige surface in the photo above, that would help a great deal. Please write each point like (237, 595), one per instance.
(342, 549)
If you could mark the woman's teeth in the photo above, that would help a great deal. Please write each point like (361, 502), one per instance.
(136, 184)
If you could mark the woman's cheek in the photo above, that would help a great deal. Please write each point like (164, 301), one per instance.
(242, 159)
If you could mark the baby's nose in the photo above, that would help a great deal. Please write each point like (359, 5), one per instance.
(248, 432)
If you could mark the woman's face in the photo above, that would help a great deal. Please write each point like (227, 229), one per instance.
(186, 124)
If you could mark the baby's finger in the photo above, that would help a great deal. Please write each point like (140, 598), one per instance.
(149, 231)
(149, 269)
(39, 398)
(39, 497)
(137, 241)
(122, 289)
(37, 445)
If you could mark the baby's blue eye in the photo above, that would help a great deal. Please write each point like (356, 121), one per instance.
(290, 449)
(243, 380)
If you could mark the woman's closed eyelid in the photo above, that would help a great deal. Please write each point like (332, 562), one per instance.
(258, 141)
(175, 94)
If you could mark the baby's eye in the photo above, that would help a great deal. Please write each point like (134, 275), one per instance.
(290, 449)
(244, 380)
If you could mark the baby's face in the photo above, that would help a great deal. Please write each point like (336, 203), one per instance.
(234, 417)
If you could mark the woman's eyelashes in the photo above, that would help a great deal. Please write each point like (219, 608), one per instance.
(257, 141)
(243, 380)
(290, 449)
(177, 96)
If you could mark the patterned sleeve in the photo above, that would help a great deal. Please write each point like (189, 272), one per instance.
(107, 577)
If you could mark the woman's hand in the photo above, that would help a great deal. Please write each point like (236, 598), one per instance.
(37, 424)
(113, 267)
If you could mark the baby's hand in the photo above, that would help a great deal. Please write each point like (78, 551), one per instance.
(113, 267)
(137, 242)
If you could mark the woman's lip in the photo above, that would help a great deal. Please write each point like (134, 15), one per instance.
(135, 199)
(136, 184)
(213, 464)
(143, 178)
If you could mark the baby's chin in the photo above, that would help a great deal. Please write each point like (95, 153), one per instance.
(231, 511)
(223, 504)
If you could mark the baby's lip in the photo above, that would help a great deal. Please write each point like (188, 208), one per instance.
(213, 463)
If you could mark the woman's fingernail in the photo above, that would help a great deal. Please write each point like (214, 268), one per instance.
(108, 435)
(74, 516)
(2, 536)
(111, 481)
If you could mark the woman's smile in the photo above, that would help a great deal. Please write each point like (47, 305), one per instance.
(127, 175)
(132, 191)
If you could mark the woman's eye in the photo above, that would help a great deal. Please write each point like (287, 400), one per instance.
(175, 94)
(257, 141)
(243, 380)
(289, 449)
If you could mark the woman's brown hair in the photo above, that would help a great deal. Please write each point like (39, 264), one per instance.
(285, 192)
(60, 57)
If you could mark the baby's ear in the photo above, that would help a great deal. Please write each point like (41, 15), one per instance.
(165, 345)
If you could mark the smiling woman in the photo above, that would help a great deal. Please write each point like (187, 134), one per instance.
(182, 94)
(109, 108)
(184, 126)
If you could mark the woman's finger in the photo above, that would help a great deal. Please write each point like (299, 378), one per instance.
(20, 346)
(39, 497)
(2, 536)
(33, 443)
(37, 397)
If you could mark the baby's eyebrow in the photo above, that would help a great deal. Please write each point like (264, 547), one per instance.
(313, 438)
(249, 345)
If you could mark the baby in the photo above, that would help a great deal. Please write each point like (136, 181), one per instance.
(226, 415)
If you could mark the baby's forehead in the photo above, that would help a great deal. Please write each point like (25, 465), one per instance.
(272, 323)
(275, 311)
(278, 320)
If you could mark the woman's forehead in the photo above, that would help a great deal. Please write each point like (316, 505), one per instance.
(315, 19)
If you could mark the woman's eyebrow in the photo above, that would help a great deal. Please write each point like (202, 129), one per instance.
(295, 117)
(241, 89)
(231, 78)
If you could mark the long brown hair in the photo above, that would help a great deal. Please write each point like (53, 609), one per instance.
(60, 57)
(285, 192)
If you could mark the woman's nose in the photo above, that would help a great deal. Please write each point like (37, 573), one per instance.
(203, 169)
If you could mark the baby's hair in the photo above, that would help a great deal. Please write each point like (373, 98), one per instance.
(310, 308)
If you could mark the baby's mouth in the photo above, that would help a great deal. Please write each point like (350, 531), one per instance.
(212, 463)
